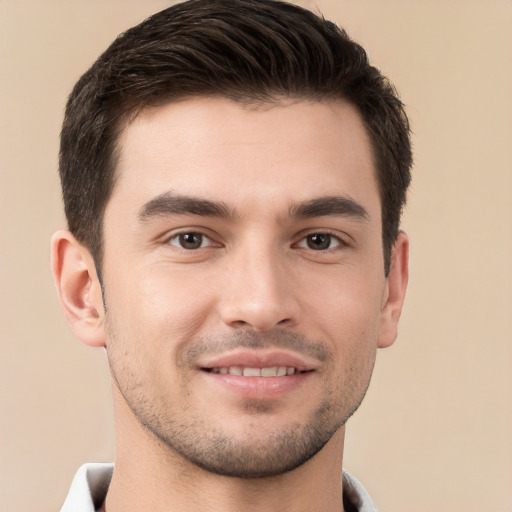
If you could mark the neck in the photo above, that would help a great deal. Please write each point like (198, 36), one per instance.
(149, 475)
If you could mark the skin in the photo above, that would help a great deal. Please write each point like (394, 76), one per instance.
(265, 267)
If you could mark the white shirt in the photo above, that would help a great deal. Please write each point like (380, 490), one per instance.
(91, 482)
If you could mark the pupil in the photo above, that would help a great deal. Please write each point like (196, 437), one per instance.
(191, 240)
(319, 241)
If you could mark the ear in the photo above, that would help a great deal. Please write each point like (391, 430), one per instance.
(78, 288)
(394, 293)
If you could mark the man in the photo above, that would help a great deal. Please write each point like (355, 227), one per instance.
(233, 175)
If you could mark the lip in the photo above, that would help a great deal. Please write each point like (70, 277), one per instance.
(259, 359)
(258, 388)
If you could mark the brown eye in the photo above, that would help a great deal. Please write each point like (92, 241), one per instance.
(189, 241)
(319, 242)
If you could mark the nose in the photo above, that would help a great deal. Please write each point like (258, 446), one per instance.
(259, 292)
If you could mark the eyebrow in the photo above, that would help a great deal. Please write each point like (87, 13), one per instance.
(329, 205)
(169, 203)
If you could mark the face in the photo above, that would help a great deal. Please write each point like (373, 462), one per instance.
(244, 279)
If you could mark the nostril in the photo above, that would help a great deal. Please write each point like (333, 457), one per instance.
(239, 323)
(260, 314)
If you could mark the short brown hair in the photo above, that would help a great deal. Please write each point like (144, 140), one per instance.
(244, 50)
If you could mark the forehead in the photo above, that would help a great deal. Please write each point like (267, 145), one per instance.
(216, 148)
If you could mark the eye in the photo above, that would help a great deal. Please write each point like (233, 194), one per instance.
(190, 241)
(319, 242)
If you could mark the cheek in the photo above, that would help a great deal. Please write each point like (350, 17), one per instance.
(158, 307)
(347, 316)
(347, 308)
(149, 317)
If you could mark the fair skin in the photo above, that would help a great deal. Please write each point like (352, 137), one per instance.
(236, 240)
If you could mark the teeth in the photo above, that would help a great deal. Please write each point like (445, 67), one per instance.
(269, 372)
(252, 372)
(273, 371)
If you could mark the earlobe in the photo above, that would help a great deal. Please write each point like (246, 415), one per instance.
(78, 288)
(396, 286)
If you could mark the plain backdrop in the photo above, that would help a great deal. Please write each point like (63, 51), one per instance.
(434, 432)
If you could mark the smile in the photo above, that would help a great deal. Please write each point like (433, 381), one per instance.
(272, 371)
(255, 382)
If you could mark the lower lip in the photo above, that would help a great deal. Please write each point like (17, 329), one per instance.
(260, 388)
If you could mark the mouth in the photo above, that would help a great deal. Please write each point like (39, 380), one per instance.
(248, 363)
(269, 371)
(262, 375)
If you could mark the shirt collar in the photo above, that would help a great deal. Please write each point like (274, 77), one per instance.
(89, 488)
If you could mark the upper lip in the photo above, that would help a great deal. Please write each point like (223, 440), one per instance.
(258, 359)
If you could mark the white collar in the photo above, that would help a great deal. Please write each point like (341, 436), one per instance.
(89, 488)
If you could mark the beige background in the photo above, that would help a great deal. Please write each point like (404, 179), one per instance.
(435, 430)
